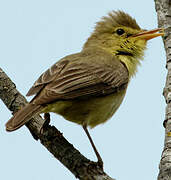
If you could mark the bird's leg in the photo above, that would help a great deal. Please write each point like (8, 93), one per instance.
(47, 118)
(100, 161)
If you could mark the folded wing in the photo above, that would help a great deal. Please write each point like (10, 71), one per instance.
(79, 79)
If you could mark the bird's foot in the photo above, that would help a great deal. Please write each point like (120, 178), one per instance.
(46, 123)
(47, 118)
(100, 163)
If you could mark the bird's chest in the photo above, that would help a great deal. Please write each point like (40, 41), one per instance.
(91, 111)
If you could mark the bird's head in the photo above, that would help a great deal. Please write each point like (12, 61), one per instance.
(119, 34)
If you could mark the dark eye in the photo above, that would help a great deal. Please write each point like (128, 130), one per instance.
(120, 31)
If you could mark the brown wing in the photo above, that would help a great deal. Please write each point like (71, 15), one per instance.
(75, 79)
(47, 77)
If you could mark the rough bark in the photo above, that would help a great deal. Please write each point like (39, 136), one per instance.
(50, 137)
(163, 8)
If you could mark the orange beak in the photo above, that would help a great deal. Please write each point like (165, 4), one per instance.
(147, 35)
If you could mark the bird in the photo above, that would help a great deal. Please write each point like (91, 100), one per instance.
(89, 86)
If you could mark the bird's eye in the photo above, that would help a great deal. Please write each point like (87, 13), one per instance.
(120, 31)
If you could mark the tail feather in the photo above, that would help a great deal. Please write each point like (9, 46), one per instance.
(22, 116)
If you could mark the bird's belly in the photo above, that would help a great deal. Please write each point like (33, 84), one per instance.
(91, 111)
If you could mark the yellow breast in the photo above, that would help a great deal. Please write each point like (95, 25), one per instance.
(91, 111)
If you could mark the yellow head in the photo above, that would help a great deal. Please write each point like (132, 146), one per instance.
(119, 34)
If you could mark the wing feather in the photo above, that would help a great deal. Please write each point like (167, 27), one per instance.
(47, 77)
(69, 79)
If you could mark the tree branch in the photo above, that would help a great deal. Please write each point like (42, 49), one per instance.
(51, 138)
(163, 8)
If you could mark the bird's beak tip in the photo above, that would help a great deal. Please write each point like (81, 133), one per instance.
(147, 35)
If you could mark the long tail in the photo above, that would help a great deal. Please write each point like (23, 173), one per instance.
(22, 116)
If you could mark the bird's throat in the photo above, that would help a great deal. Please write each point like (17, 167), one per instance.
(130, 62)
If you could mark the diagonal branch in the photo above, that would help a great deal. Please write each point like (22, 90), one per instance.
(51, 138)
(163, 8)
